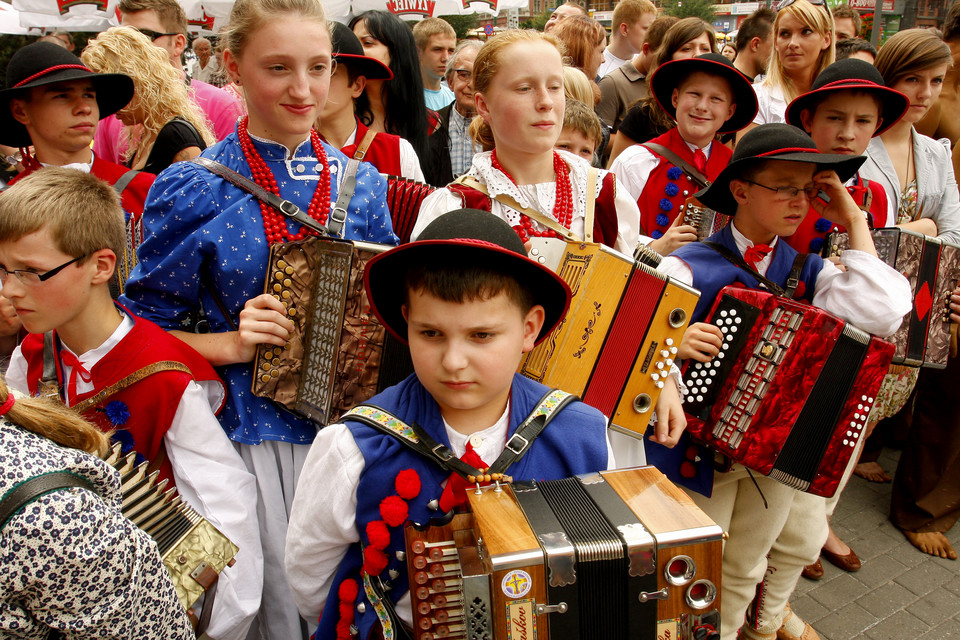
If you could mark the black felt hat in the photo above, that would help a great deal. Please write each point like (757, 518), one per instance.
(856, 75)
(772, 142)
(462, 237)
(43, 63)
(668, 75)
(348, 50)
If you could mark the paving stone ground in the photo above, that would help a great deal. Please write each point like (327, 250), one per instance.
(898, 594)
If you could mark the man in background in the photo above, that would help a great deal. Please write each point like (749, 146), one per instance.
(454, 146)
(436, 41)
(566, 10)
(631, 21)
(846, 21)
(205, 69)
(755, 43)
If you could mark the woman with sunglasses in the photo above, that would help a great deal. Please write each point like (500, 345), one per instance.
(803, 46)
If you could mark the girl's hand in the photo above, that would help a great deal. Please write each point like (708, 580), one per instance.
(263, 321)
(701, 341)
(671, 420)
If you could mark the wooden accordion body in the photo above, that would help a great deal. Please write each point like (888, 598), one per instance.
(605, 556)
(338, 355)
(705, 220)
(615, 347)
(193, 550)
(789, 393)
(933, 268)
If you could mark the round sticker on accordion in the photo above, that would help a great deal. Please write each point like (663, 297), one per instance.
(516, 584)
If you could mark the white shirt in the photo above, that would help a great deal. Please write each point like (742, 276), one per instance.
(610, 62)
(869, 294)
(209, 475)
(634, 165)
(540, 197)
(409, 162)
(772, 106)
(206, 74)
(323, 522)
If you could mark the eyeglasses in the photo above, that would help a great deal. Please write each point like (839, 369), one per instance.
(464, 74)
(154, 35)
(789, 193)
(783, 4)
(32, 278)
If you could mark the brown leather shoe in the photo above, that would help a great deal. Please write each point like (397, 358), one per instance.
(849, 562)
(813, 571)
(808, 632)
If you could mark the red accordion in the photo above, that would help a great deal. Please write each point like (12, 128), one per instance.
(789, 394)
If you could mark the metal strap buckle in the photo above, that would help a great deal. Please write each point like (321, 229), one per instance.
(288, 208)
(443, 452)
(515, 448)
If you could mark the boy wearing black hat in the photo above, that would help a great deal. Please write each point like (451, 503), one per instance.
(775, 175)
(341, 121)
(470, 303)
(53, 102)
(705, 96)
(847, 105)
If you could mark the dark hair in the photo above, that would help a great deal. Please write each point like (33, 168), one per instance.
(459, 284)
(849, 46)
(844, 11)
(361, 104)
(951, 24)
(405, 112)
(758, 24)
(659, 29)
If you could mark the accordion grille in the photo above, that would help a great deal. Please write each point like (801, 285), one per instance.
(601, 557)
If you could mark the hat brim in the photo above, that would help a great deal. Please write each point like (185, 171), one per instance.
(369, 68)
(664, 80)
(385, 275)
(895, 104)
(718, 197)
(114, 92)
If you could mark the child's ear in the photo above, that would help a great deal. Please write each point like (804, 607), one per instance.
(357, 87)
(481, 103)
(105, 261)
(532, 324)
(738, 188)
(231, 64)
(806, 120)
(675, 97)
(18, 112)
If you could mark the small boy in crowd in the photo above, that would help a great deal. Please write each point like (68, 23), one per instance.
(54, 103)
(470, 303)
(705, 96)
(582, 132)
(847, 105)
(775, 175)
(60, 233)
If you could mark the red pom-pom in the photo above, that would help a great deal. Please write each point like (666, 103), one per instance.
(346, 611)
(394, 510)
(378, 534)
(408, 484)
(343, 629)
(374, 561)
(348, 590)
(801, 290)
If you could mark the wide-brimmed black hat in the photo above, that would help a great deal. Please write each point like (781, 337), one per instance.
(463, 237)
(348, 50)
(772, 142)
(852, 75)
(668, 75)
(43, 63)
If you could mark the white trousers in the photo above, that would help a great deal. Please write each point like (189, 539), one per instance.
(277, 467)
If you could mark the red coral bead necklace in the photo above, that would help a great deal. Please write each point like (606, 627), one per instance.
(562, 205)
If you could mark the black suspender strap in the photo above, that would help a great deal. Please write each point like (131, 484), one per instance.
(414, 436)
(29, 490)
(793, 281)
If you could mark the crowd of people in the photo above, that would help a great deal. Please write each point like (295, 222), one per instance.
(133, 265)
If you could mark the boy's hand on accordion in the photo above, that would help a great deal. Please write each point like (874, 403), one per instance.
(677, 235)
(701, 341)
(671, 420)
(263, 321)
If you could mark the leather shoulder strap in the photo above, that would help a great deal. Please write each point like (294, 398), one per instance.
(129, 380)
(672, 157)
(125, 181)
(364, 145)
(29, 490)
(533, 214)
(588, 214)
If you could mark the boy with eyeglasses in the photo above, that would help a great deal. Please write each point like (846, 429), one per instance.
(124, 374)
(774, 177)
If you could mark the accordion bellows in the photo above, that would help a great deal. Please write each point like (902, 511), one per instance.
(193, 550)
(604, 556)
(932, 267)
(615, 347)
(789, 394)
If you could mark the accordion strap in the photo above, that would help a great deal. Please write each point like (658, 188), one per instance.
(533, 214)
(133, 378)
(677, 161)
(793, 281)
(414, 436)
(32, 488)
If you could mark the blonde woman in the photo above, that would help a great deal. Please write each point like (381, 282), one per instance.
(108, 580)
(164, 126)
(803, 46)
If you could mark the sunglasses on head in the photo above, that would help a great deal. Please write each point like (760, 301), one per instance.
(154, 35)
(783, 4)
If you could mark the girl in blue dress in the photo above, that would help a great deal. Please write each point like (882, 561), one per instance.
(207, 239)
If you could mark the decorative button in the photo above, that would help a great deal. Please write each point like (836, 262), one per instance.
(299, 168)
(476, 441)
